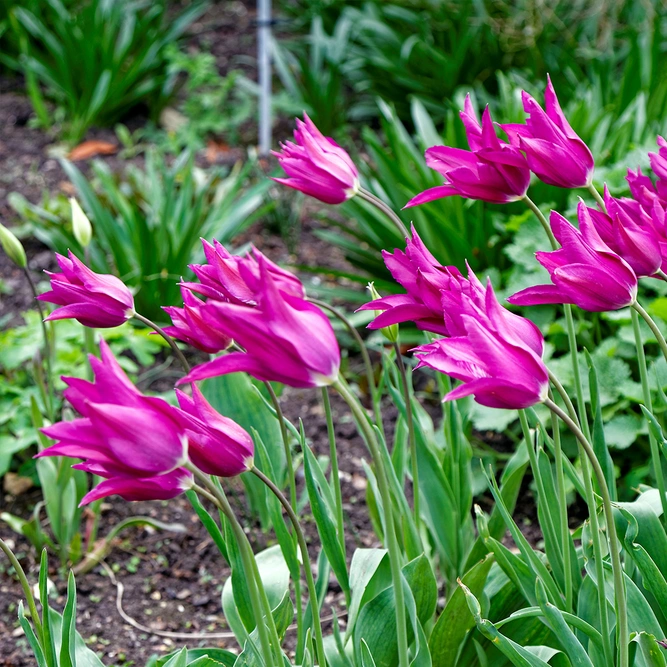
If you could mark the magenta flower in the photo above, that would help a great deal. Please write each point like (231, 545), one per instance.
(96, 300)
(555, 153)
(286, 339)
(190, 325)
(317, 166)
(628, 230)
(585, 272)
(642, 187)
(217, 445)
(138, 443)
(495, 354)
(236, 279)
(492, 170)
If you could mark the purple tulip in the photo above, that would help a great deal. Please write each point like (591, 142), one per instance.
(190, 325)
(317, 166)
(585, 272)
(555, 153)
(642, 187)
(495, 354)
(286, 338)
(217, 445)
(492, 170)
(96, 300)
(132, 440)
(236, 279)
(629, 232)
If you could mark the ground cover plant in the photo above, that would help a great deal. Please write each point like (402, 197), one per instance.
(591, 591)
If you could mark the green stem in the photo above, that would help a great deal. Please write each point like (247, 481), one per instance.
(614, 544)
(25, 585)
(310, 582)
(387, 210)
(172, 343)
(653, 326)
(411, 431)
(370, 376)
(390, 532)
(50, 403)
(646, 391)
(579, 389)
(543, 221)
(598, 197)
(335, 475)
(564, 521)
(258, 599)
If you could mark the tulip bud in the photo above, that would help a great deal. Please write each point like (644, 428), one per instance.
(13, 247)
(83, 230)
(390, 332)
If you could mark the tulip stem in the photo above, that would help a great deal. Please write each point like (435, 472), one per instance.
(412, 441)
(662, 274)
(598, 198)
(370, 376)
(646, 391)
(258, 600)
(310, 582)
(614, 544)
(653, 326)
(50, 401)
(543, 221)
(335, 475)
(387, 210)
(291, 480)
(389, 528)
(172, 343)
(27, 591)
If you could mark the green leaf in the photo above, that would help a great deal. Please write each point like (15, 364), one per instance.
(369, 575)
(653, 653)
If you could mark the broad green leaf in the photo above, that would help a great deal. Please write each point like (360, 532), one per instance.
(653, 653)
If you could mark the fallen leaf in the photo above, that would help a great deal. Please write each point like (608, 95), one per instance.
(91, 148)
(16, 485)
(215, 150)
(68, 188)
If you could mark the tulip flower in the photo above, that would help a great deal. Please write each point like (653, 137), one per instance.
(497, 358)
(317, 166)
(190, 325)
(629, 233)
(555, 153)
(96, 300)
(286, 339)
(423, 278)
(217, 445)
(234, 278)
(138, 443)
(585, 272)
(491, 170)
(642, 187)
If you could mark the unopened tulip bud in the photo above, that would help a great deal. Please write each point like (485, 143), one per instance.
(13, 247)
(83, 230)
(390, 332)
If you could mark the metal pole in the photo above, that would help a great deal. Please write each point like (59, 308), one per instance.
(264, 67)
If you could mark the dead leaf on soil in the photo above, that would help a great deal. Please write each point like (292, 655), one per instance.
(16, 485)
(91, 148)
(215, 150)
(68, 188)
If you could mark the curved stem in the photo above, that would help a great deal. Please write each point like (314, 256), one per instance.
(25, 585)
(50, 407)
(172, 343)
(335, 475)
(614, 544)
(653, 326)
(370, 377)
(598, 197)
(543, 221)
(390, 531)
(411, 431)
(662, 274)
(564, 395)
(258, 599)
(646, 391)
(310, 582)
(387, 210)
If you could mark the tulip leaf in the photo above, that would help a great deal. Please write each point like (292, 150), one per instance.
(652, 652)
(201, 657)
(209, 523)
(369, 575)
(32, 639)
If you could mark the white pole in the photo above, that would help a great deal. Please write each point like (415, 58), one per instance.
(264, 67)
